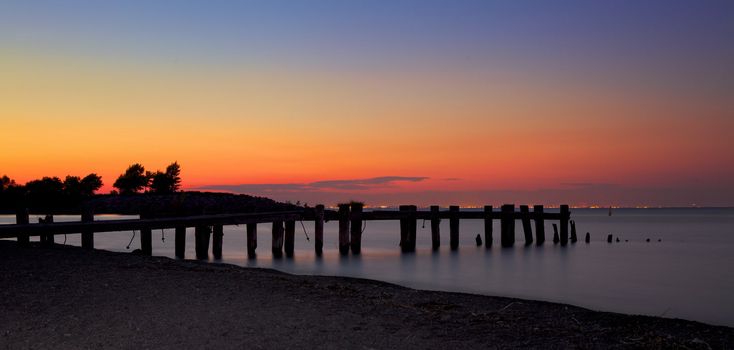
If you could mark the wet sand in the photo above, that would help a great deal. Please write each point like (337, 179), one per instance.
(65, 297)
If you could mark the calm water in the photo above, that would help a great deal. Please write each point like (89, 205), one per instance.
(690, 274)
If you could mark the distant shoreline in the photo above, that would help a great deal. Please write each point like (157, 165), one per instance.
(71, 298)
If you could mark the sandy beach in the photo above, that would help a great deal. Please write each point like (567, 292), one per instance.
(66, 297)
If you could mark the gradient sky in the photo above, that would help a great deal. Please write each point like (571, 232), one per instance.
(445, 102)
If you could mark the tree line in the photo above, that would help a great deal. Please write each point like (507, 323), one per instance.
(52, 193)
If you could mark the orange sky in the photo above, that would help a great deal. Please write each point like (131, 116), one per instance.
(487, 125)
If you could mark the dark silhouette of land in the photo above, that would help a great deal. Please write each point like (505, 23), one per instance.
(66, 297)
(137, 192)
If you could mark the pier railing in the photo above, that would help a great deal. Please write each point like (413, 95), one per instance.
(350, 217)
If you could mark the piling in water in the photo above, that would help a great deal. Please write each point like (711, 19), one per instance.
(22, 218)
(609, 238)
(454, 227)
(435, 228)
(507, 224)
(201, 241)
(343, 229)
(539, 225)
(87, 235)
(488, 226)
(356, 228)
(588, 237)
(479, 240)
(251, 240)
(47, 240)
(565, 215)
(277, 247)
(573, 232)
(290, 237)
(146, 241)
(217, 237)
(408, 228)
(319, 230)
(180, 242)
(526, 228)
(556, 239)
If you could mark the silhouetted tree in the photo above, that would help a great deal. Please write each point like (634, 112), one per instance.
(6, 183)
(90, 184)
(46, 193)
(11, 194)
(168, 181)
(72, 185)
(134, 180)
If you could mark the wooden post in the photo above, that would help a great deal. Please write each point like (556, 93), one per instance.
(251, 240)
(556, 239)
(539, 225)
(588, 237)
(47, 240)
(22, 218)
(343, 229)
(146, 241)
(356, 232)
(565, 215)
(277, 248)
(526, 228)
(435, 228)
(404, 245)
(290, 237)
(574, 238)
(319, 230)
(87, 235)
(507, 223)
(412, 226)
(488, 226)
(181, 242)
(408, 228)
(201, 243)
(217, 238)
(454, 227)
(609, 238)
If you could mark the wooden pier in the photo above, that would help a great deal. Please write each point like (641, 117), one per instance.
(351, 218)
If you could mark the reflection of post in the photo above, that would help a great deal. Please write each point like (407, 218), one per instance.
(356, 227)
(87, 234)
(22, 218)
(454, 227)
(319, 230)
(539, 225)
(343, 229)
(488, 226)
(435, 228)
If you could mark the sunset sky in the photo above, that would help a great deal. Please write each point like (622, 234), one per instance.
(446, 102)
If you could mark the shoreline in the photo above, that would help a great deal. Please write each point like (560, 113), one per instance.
(66, 297)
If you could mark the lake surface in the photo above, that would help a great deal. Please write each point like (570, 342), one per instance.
(688, 274)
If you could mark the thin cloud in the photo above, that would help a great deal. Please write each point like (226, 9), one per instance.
(332, 185)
